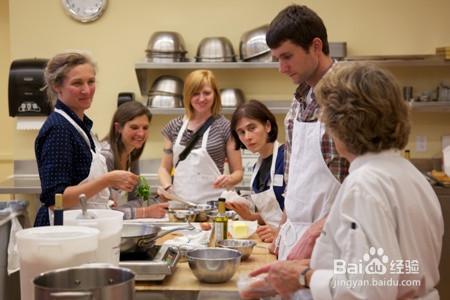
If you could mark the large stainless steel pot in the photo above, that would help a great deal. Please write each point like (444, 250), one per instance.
(139, 237)
(85, 283)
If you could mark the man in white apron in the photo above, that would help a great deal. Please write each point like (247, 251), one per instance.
(297, 37)
(198, 165)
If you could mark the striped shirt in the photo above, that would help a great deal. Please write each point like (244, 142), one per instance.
(219, 134)
(302, 111)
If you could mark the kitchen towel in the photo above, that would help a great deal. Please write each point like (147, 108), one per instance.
(30, 123)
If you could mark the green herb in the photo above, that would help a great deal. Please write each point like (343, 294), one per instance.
(143, 189)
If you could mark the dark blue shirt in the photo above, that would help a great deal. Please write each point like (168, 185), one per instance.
(63, 157)
(279, 169)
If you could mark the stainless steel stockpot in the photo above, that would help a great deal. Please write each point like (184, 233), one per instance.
(85, 283)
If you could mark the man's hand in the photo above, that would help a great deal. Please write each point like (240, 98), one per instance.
(304, 247)
(283, 275)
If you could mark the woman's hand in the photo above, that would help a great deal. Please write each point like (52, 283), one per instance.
(266, 233)
(156, 210)
(122, 180)
(164, 193)
(222, 181)
(242, 209)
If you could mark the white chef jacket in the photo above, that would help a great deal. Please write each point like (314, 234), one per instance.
(384, 203)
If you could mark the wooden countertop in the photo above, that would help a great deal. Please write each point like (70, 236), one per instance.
(184, 280)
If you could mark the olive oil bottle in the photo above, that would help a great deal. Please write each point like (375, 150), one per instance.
(58, 212)
(221, 222)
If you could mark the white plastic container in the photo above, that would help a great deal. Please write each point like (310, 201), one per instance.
(47, 248)
(109, 223)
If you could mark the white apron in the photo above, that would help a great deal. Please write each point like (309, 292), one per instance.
(311, 188)
(194, 176)
(97, 169)
(266, 202)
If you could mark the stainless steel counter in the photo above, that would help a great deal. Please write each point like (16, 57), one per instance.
(21, 185)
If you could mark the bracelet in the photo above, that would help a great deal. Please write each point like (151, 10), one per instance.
(167, 187)
(302, 278)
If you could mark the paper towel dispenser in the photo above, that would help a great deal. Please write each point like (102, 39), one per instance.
(25, 94)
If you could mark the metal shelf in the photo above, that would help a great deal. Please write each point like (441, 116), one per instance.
(275, 106)
(202, 65)
(282, 107)
(145, 72)
(382, 60)
(402, 60)
(435, 106)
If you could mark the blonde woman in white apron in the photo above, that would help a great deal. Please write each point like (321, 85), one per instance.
(254, 128)
(199, 176)
(67, 154)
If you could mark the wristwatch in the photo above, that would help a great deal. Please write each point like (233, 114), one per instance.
(302, 277)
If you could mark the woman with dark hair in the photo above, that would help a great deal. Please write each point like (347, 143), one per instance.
(122, 148)
(254, 127)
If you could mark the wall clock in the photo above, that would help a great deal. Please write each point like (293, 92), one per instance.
(84, 10)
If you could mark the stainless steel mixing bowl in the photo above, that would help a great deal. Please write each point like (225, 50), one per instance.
(245, 247)
(168, 85)
(213, 265)
(231, 97)
(166, 41)
(215, 49)
(164, 101)
(253, 46)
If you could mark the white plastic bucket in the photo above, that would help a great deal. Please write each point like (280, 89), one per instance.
(109, 223)
(47, 248)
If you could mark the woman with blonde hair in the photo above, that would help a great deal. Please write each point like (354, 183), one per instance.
(197, 144)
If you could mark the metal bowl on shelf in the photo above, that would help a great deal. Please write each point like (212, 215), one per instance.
(167, 84)
(160, 57)
(214, 265)
(215, 49)
(253, 46)
(231, 97)
(166, 41)
(164, 101)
